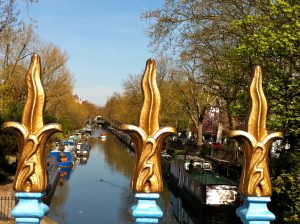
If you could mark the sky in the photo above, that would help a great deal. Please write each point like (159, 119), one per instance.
(106, 40)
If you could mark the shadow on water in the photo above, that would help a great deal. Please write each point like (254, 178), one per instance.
(98, 190)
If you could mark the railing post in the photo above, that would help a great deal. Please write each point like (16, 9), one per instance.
(255, 184)
(148, 137)
(31, 178)
(146, 210)
(30, 208)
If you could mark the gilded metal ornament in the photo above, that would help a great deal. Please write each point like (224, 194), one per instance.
(255, 179)
(148, 137)
(32, 134)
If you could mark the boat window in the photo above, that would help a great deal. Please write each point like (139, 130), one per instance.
(84, 146)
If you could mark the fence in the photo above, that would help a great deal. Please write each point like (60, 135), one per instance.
(7, 203)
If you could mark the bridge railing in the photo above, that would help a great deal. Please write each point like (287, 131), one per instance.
(7, 203)
(255, 186)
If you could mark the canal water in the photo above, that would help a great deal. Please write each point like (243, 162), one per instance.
(98, 190)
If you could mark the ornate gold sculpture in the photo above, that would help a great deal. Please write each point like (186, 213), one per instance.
(148, 137)
(255, 179)
(32, 134)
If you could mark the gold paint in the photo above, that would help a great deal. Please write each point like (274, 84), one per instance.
(255, 179)
(32, 134)
(148, 137)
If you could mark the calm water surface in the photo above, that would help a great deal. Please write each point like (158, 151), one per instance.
(98, 191)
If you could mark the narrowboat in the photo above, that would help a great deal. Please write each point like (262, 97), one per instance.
(65, 154)
(82, 149)
(197, 178)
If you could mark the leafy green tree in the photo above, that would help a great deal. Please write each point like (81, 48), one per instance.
(191, 96)
(202, 30)
(286, 193)
(229, 38)
(272, 40)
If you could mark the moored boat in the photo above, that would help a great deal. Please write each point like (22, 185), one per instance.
(103, 136)
(65, 154)
(65, 172)
(53, 174)
(197, 178)
(82, 149)
(64, 158)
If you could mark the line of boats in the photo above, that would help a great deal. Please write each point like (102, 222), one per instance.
(195, 176)
(61, 159)
(67, 151)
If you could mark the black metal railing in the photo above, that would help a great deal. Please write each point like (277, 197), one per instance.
(7, 203)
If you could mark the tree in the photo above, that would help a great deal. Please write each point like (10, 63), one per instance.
(58, 81)
(202, 30)
(192, 97)
(170, 113)
(133, 93)
(8, 16)
(285, 199)
(273, 42)
(115, 108)
(228, 38)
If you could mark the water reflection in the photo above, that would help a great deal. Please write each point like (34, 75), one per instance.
(82, 160)
(117, 156)
(98, 191)
(196, 213)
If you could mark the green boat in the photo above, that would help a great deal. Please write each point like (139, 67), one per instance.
(204, 185)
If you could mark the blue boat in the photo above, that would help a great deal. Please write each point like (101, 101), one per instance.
(64, 159)
(65, 172)
(65, 154)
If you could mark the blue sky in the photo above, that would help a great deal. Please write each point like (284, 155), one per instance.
(105, 39)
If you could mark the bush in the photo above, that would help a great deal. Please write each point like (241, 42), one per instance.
(206, 149)
(286, 192)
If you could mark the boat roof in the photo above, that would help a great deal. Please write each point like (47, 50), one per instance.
(56, 150)
(212, 179)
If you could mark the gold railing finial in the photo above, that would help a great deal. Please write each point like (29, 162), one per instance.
(255, 179)
(32, 134)
(148, 137)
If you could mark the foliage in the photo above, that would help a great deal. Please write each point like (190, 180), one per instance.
(286, 193)
(133, 99)
(206, 150)
(8, 143)
(272, 40)
(201, 30)
(191, 96)
(229, 38)
(125, 107)
(210, 124)
(118, 108)
(8, 146)
(18, 41)
(8, 16)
